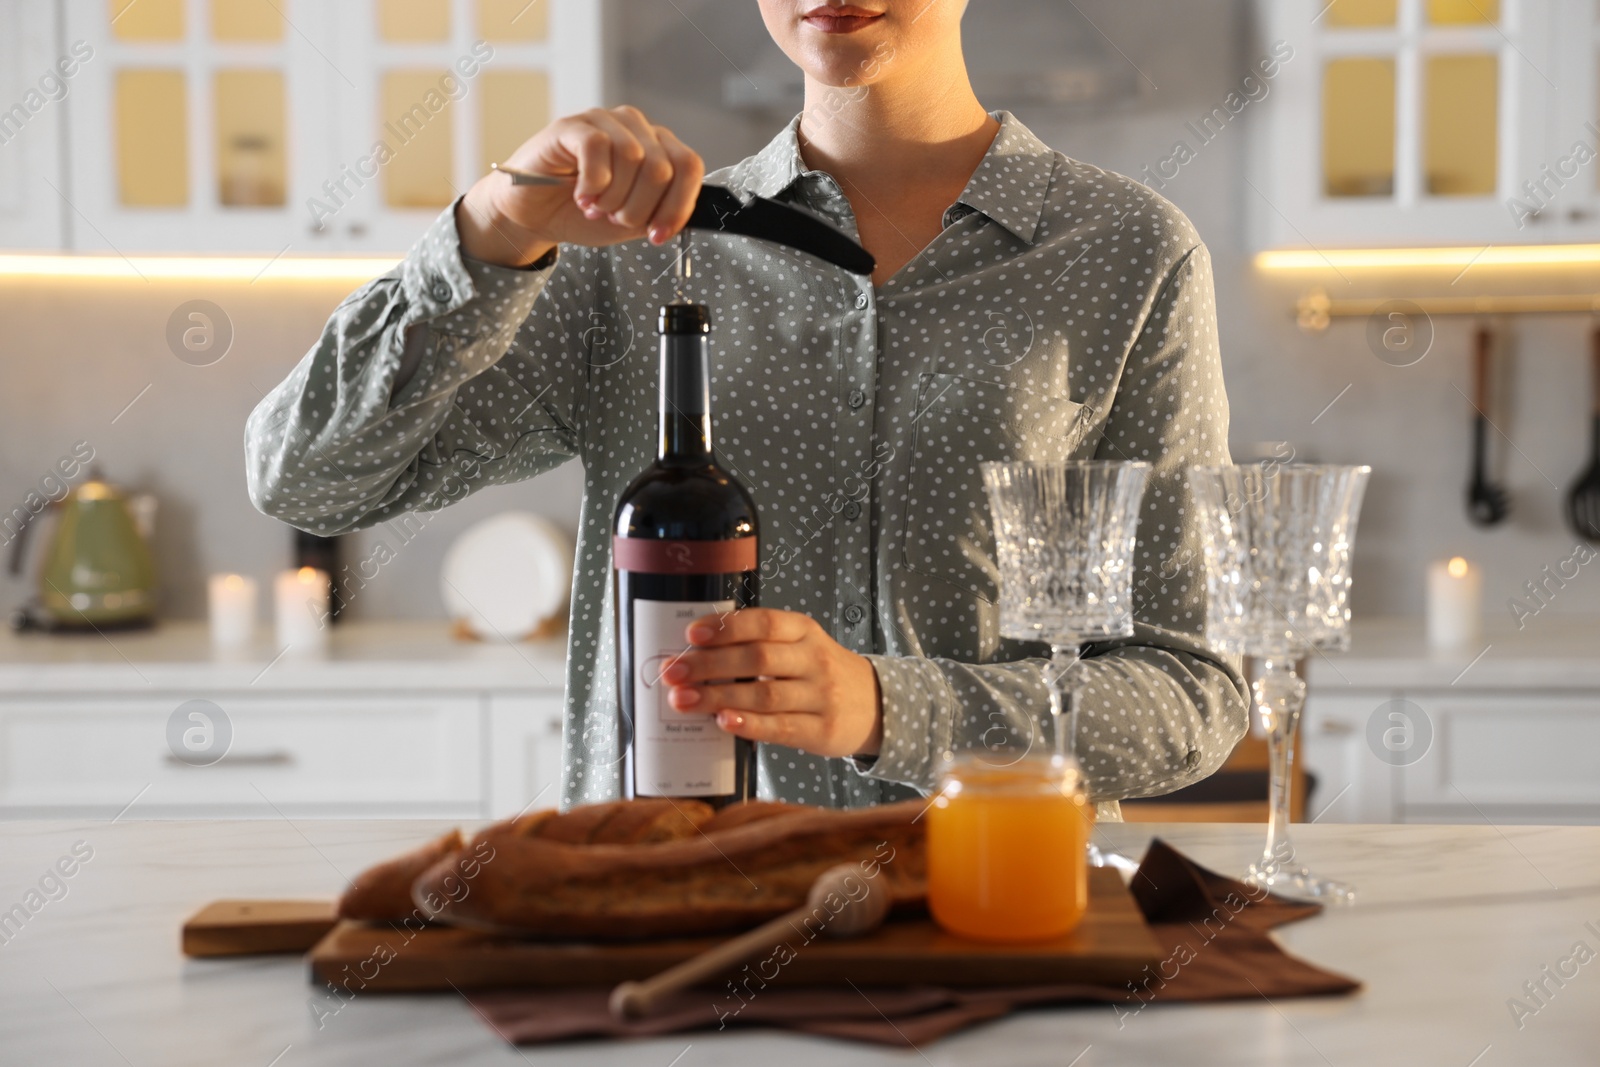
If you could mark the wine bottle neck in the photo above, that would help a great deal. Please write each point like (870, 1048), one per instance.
(685, 422)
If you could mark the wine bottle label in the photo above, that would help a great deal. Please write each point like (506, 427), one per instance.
(675, 754)
(648, 556)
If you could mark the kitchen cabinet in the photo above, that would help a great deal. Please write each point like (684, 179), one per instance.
(1405, 122)
(1352, 783)
(1501, 733)
(33, 94)
(397, 720)
(312, 754)
(1484, 757)
(289, 126)
(525, 753)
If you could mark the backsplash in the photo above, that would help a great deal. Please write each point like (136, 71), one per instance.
(88, 363)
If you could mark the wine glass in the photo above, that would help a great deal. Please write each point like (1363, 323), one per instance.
(1277, 541)
(1064, 539)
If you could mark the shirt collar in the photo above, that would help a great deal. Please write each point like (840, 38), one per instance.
(1009, 185)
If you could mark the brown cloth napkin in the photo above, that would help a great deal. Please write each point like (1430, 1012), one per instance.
(1215, 932)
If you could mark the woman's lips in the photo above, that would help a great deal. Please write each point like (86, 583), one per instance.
(840, 23)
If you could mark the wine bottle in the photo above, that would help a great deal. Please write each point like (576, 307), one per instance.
(684, 548)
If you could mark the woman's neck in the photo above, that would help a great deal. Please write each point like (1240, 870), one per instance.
(910, 128)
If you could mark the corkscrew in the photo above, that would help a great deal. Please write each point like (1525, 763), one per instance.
(719, 210)
(683, 269)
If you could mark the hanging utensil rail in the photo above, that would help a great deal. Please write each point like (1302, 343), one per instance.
(1315, 309)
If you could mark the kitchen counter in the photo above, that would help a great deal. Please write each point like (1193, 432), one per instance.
(1451, 923)
(1548, 653)
(178, 655)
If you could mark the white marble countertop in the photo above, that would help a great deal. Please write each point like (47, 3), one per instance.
(1555, 653)
(361, 655)
(1451, 923)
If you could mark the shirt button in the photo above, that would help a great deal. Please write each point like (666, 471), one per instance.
(853, 614)
(857, 398)
(852, 510)
(861, 300)
(440, 291)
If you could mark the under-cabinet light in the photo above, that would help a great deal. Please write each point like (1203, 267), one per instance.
(1457, 257)
(198, 268)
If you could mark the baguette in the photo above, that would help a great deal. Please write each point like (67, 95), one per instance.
(384, 891)
(718, 881)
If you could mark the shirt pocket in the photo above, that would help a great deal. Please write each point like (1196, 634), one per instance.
(958, 424)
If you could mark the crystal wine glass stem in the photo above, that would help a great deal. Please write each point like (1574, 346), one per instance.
(1062, 677)
(1279, 697)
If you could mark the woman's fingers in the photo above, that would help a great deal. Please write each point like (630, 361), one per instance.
(677, 204)
(651, 179)
(801, 730)
(755, 659)
(626, 156)
(766, 697)
(751, 624)
(590, 146)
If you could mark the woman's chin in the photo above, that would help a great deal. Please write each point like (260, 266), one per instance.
(842, 67)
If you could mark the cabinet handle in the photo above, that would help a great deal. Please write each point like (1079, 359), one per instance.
(1336, 729)
(553, 727)
(277, 758)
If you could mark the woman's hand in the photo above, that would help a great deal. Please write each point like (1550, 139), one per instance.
(812, 693)
(632, 179)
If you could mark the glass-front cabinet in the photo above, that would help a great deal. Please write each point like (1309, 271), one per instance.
(32, 90)
(1421, 121)
(297, 126)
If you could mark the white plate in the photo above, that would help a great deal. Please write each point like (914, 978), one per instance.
(507, 575)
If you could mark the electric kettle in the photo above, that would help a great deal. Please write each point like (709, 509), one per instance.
(97, 572)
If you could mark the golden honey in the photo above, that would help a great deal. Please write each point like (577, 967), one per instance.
(1007, 849)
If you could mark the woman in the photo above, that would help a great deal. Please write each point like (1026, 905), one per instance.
(1024, 306)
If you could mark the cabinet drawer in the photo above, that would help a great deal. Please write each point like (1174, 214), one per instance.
(313, 754)
(1504, 754)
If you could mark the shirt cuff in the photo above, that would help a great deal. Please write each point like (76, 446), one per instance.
(916, 722)
(466, 297)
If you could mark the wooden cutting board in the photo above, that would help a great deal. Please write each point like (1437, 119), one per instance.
(257, 927)
(1110, 946)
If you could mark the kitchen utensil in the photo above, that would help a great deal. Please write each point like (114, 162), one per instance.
(1112, 945)
(1583, 500)
(97, 571)
(719, 210)
(841, 901)
(507, 576)
(1487, 503)
(258, 927)
(1277, 544)
(1064, 539)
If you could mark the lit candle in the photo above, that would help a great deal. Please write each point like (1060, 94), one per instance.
(232, 602)
(1455, 604)
(301, 599)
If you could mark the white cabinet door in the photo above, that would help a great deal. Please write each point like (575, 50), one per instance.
(525, 751)
(295, 127)
(1353, 783)
(425, 102)
(1562, 200)
(276, 755)
(198, 126)
(33, 95)
(1506, 757)
(1402, 121)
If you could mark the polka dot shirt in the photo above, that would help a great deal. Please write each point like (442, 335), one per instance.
(1063, 312)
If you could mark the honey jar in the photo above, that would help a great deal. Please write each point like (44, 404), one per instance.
(1007, 848)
